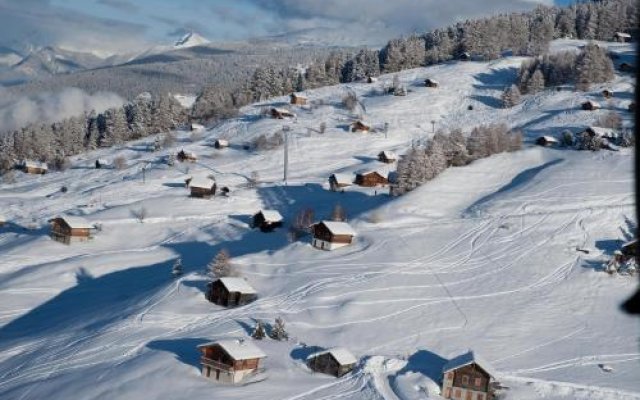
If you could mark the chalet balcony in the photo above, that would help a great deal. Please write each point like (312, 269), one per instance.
(216, 364)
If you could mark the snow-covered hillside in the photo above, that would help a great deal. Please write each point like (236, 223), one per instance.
(483, 257)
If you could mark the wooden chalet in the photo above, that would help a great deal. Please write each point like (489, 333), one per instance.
(196, 127)
(465, 56)
(331, 235)
(547, 141)
(102, 163)
(230, 361)
(338, 182)
(430, 83)
(67, 229)
(590, 105)
(187, 156)
(622, 37)
(281, 113)
(34, 167)
(387, 157)
(221, 144)
(202, 187)
(371, 179)
(230, 292)
(607, 94)
(371, 79)
(360, 126)
(267, 220)
(298, 99)
(630, 249)
(337, 362)
(468, 376)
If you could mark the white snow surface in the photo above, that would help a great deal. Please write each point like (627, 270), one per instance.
(483, 257)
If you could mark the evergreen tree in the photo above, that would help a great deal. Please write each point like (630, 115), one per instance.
(220, 266)
(177, 269)
(278, 332)
(259, 332)
(511, 97)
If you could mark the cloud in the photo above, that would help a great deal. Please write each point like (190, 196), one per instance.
(39, 23)
(122, 5)
(52, 107)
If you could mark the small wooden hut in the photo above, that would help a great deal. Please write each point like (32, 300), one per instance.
(281, 113)
(622, 37)
(230, 292)
(67, 229)
(371, 79)
(230, 361)
(196, 127)
(298, 99)
(337, 361)
(590, 105)
(360, 126)
(430, 83)
(331, 235)
(187, 156)
(267, 220)
(387, 157)
(202, 187)
(547, 141)
(221, 144)
(34, 167)
(607, 93)
(371, 179)
(630, 249)
(468, 376)
(338, 182)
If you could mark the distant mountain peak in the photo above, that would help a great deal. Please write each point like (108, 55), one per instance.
(190, 39)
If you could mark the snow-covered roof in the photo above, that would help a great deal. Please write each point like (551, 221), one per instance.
(339, 228)
(300, 96)
(593, 103)
(76, 222)
(629, 243)
(238, 349)
(431, 80)
(189, 154)
(237, 285)
(361, 122)
(202, 183)
(195, 126)
(343, 179)
(34, 164)
(549, 139)
(603, 132)
(222, 142)
(271, 215)
(103, 161)
(282, 111)
(622, 34)
(389, 155)
(371, 171)
(466, 359)
(340, 354)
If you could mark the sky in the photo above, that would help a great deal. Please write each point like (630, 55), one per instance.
(116, 26)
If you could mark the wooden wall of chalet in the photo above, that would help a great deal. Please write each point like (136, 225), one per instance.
(217, 353)
(326, 364)
(62, 232)
(300, 101)
(34, 170)
(476, 379)
(202, 192)
(320, 231)
(371, 180)
(217, 293)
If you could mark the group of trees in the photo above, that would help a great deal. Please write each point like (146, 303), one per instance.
(53, 143)
(591, 65)
(278, 331)
(424, 162)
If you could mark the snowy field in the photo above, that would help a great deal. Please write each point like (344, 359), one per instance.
(482, 257)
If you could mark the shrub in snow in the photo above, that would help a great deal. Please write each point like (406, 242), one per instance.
(140, 214)
(120, 162)
(338, 213)
(567, 139)
(610, 120)
(278, 332)
(350, 101)
(323, 127)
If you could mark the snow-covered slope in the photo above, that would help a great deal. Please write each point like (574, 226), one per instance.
(482, 257)
(191, 39)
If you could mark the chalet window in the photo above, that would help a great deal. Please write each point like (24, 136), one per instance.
(477, 382)
(465, 379)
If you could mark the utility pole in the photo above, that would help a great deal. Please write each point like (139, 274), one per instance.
(433, 126)
(285, 129)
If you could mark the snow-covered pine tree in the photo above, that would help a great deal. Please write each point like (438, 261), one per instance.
(220, 266)
(177, 269)
(511, 96)
(259, 332)
(536, 82)
(278, 332)
(338, 213)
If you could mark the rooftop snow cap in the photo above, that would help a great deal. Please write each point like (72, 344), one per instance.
(340, 354)
(238, 349)
(237, 285)
(202, 183)
(271, 215)
(76, 222)
(466, 359)
(343, 179)
(339, 228)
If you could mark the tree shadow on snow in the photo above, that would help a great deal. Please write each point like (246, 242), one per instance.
(185, 350)
(488, 101)
(608, 246)
(301, 353)
(496, 79)
(596, 265)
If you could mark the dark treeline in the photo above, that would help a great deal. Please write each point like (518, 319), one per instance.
(53, 143)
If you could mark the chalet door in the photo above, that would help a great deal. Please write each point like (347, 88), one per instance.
(217, 374)
(469, 394)
(236, 298)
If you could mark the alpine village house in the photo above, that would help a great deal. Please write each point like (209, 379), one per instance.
(230, 292)
(187, 156)
(466, 377)
(370, 179)
(202, 187)
(337, 361)
(337, 182)
(387, 157)
(267, 220)
(67, 229)
(230, 361)
(33, 167)
(331, 235)
(360, 126)
(298, 99)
